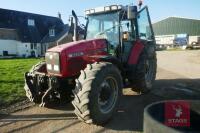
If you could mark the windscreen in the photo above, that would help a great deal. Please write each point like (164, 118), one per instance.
(104, 26)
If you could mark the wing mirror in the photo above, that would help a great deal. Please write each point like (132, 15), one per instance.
(132, 12)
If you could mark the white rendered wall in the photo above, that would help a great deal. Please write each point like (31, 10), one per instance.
(9, 45)
(18, 48)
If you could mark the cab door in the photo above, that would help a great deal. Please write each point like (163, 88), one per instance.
(128, 36)
(145, 31)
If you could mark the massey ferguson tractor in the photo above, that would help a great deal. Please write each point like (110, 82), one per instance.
(118, 51)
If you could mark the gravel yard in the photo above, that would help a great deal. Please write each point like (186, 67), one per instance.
(178, 77)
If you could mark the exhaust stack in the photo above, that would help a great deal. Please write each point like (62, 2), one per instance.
(75, 37)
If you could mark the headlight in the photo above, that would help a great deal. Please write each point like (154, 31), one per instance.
(115, 7)
(53, 62)
(49, 67)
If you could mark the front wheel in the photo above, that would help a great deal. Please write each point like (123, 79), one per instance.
(97, 93)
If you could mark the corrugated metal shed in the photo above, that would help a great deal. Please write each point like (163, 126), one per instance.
(177, 25)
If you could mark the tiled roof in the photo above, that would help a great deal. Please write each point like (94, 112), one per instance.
(11, 19)
(58, 35)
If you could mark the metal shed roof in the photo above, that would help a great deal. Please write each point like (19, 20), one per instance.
(177, 25)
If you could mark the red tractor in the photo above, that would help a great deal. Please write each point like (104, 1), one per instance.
(118, 51)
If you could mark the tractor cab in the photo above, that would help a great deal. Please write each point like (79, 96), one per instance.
(121, 26)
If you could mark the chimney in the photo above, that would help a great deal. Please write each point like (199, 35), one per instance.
(59, 15)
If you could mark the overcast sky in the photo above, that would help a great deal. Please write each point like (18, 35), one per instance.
(159, 9)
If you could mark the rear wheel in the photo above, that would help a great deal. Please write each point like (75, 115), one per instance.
(145, 73)
(97, 92)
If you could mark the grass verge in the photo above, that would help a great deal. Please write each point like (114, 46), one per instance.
(12, 79)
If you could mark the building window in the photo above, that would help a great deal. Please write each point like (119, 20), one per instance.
(52, 32)
(32, 45)
(31, 22)
(5, 53)
(35, 45)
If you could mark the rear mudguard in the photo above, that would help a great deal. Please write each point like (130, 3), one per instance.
(135, 53)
